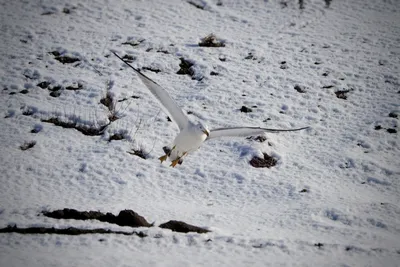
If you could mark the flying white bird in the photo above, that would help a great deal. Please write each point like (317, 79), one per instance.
(191, 135)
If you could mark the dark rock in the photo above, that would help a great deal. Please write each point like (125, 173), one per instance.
(43, 85)
(55, 53)
(132, 219)
(342, 94)
(27, 145)
(196, 5)
(79, 86)
(304, 191)
(259, 138)
(55, 93)
(327, 86)
(182, 227)
(55, 88)
(245, 109)
(163, 51)
(319, 245)
(186, 67)
(25, 91)
(29, 111)
(134, 42)
(211, 41)
(390, 130)
(108, 101)
(128, 58)
(393, 115)
(37, 128)
(378, 127)
(265, 162)
(67, 59)
(250, 56)
(116, 137)
(151, 69)
(299, 88)
(213, 73)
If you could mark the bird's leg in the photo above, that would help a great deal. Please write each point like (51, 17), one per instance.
(178, 160)
(167, 154)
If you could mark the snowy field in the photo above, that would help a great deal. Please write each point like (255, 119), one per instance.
(71, 112)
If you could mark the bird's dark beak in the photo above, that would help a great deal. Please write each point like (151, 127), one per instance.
(206, 132)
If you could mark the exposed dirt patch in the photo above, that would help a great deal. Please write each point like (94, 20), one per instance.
(116, 137)
(265, 162)
(259, 138)
(109, 102)
(86, 130)
(151, 69)
(196, 5)
(65, 231)
(128, 58)
(124, 218)
(76, 87)
(342, 94)
(138, 152)
(27, 145)
(134, 42)
(64, 59)
(211, 41)
(245, 109)
(182, 227)
(186, 67)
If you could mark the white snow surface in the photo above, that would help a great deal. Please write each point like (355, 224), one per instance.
(257, 216)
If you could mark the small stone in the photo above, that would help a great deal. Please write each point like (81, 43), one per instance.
(299, 88)
(43, 85)
(213, 73)
(245, 109)
(55, 93)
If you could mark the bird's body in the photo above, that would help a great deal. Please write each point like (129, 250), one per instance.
(187, 141)
(191, 135)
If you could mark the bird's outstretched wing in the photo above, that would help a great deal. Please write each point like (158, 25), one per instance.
(168, 104)
(246, 131)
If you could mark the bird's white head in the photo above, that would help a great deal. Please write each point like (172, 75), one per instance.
(202, 127)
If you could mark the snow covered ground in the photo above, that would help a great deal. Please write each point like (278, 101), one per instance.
(333, 199)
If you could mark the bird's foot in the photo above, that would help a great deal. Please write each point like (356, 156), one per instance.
(178, 160)
(163, 158)
(174, 162)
